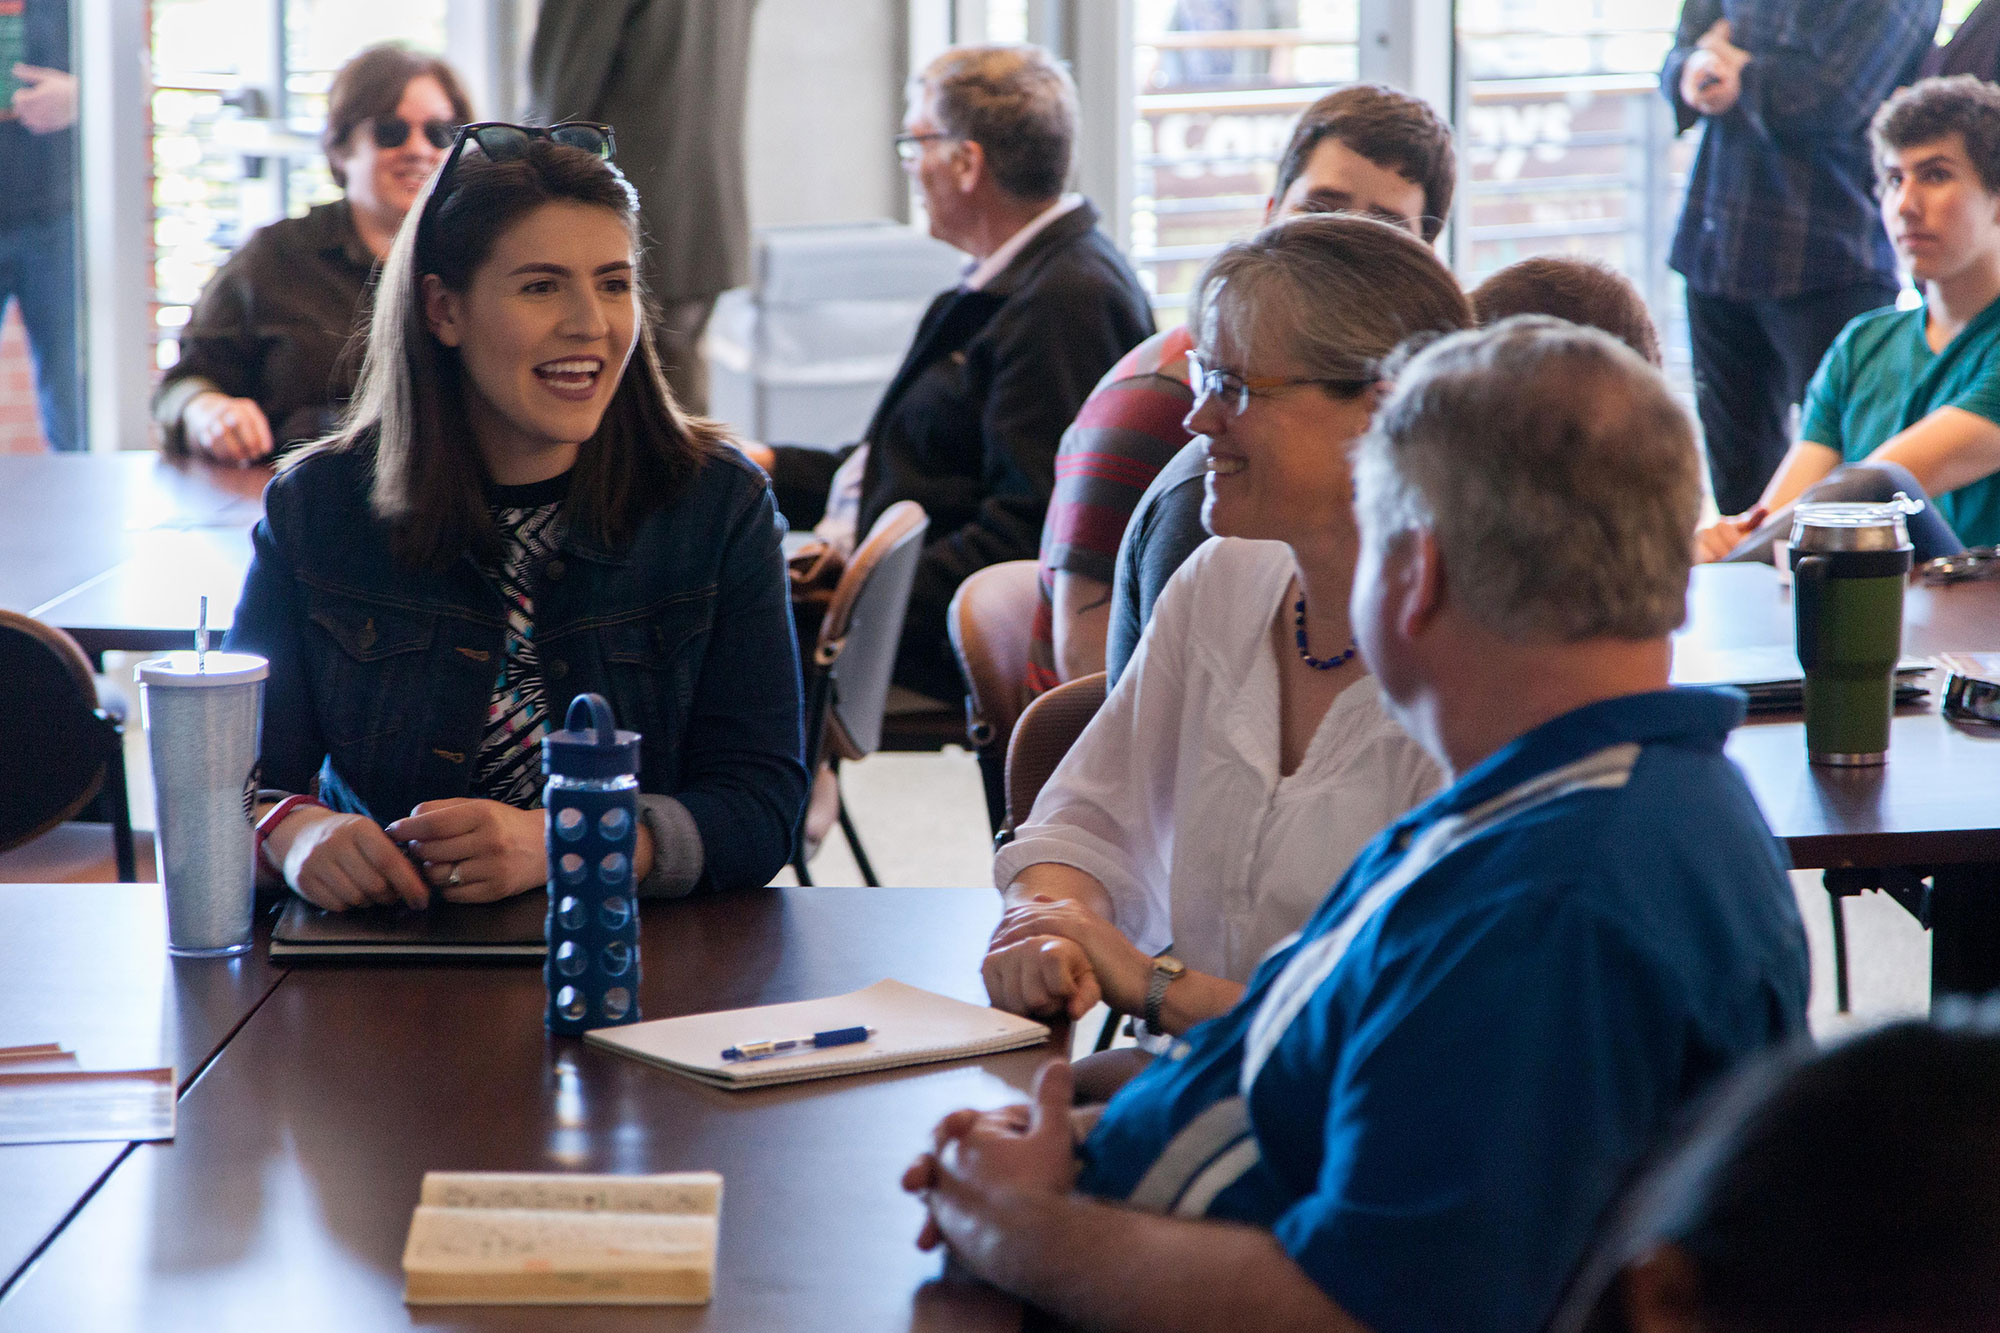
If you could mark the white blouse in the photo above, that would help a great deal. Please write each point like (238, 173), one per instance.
(1172, 799)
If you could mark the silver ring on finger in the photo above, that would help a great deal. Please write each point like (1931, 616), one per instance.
(454, 879)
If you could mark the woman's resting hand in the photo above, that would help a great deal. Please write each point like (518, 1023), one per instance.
(1040, 976)
(341, 861)
(1026, 963)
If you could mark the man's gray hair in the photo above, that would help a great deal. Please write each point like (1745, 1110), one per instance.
(1017, 103)
(1556, 473)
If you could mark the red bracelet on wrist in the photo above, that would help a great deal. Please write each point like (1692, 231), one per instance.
(275, 817)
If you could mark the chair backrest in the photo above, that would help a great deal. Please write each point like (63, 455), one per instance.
(855, 652)
(52, 741)
(1047, 728)
(992, 619)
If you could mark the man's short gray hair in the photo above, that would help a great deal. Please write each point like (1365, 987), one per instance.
(1017, 103)
(1556, 473)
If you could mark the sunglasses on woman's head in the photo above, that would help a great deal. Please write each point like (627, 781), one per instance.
(503, 142)
(394, 132)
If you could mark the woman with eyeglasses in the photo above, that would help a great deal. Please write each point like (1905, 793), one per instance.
(269, 355)
(515, 511)
(1244, 757)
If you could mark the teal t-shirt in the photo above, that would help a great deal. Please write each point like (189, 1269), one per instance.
(1880, 377)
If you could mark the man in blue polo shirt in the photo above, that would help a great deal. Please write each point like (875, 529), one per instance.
(1423, 1104)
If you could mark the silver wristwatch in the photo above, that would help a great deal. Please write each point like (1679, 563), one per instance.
(1167, 969)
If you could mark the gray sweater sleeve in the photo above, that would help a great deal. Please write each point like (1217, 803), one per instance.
(677, 851)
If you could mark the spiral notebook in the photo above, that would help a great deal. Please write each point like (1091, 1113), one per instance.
(912, 1027)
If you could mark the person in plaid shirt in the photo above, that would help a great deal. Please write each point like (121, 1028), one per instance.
(1779, 240)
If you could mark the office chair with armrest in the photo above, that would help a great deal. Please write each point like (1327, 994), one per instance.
(992, 619)
(1043, 734)
(847, 674)
(62, 751)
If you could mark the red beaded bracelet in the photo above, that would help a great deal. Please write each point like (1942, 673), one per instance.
(275, 817)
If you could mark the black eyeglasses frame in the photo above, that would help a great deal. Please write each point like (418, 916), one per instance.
(1234, 391)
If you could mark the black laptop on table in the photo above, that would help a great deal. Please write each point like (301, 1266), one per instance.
(510, 928)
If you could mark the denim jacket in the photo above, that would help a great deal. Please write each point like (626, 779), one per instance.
(381, 674)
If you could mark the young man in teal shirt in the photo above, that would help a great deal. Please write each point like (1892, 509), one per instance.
(1910, 399)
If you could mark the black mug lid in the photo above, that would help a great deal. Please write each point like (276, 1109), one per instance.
(590, 744)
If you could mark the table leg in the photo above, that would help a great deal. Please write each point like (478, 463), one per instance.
(1965, 930)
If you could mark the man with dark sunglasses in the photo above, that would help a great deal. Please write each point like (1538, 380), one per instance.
(268, 357)
(673, 76)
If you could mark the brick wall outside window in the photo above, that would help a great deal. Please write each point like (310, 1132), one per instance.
(20, 427)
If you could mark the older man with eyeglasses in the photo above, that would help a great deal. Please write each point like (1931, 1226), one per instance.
(968, 427)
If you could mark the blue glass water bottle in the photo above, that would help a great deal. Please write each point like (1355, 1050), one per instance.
(593, 923)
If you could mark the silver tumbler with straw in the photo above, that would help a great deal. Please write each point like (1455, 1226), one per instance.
(204, 715)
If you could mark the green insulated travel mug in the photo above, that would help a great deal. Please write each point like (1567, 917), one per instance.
(1849, 565)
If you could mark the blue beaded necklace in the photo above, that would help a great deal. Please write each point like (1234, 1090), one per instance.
(1338, 659)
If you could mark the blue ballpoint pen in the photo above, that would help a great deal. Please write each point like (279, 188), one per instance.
(763, 1050)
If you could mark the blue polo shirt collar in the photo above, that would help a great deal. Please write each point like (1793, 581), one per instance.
(1696, 717)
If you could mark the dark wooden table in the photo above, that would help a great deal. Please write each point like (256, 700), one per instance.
(121, 540)
(286, 1196)
(1933, 809)
(151, 600)
(86, 965)
(124, 548)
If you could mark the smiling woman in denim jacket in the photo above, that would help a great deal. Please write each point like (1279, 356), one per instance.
(515, 512)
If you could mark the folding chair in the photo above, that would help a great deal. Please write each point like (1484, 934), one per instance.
(854, 654)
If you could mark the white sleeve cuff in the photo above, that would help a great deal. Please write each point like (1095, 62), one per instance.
(1140, 915)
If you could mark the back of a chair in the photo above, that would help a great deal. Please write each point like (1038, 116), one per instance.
(52, 742)
(1047, 728)
(855, 654)
(992, 620)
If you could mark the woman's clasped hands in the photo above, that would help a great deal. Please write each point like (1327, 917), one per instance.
(461, 849)
(1052, 956)
(476, 851)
